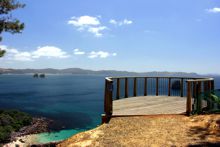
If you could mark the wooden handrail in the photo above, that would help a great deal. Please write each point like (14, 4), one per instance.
(174, 77)
(201, 80)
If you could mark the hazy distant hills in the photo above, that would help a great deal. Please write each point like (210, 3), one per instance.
(92, 72)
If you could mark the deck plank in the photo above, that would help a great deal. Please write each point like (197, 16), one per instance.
(146, 105)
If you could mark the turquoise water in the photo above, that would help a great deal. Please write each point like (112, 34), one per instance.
(56, 136)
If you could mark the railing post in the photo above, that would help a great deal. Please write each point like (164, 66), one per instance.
(199, 97)
(135, 87)
(209, 87)
(145, 86)
(169, 87)
(157, 85)
(110, 97)
(189, 98)
(181, 88)
(107, 101)
(126, 87)
(105, 97)
(205, 87)
(213, 85)
(118, 89)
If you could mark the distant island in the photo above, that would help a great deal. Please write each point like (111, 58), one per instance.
(77, 71)
(36, 75)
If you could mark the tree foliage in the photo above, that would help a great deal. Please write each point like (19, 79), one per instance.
(12, 120)
(7, 22)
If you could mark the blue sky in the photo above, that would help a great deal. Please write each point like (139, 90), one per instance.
(141, 35)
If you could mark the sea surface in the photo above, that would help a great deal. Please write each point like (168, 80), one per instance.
(74, 102)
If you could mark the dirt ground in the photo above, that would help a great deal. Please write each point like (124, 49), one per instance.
(155, 130)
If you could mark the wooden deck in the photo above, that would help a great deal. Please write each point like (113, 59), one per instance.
(146, 105)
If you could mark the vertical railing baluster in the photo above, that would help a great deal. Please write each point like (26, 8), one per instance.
(199, 97)
(213, 85)
(181, 88)
(209, 89)
(205, 87)
(157, 84)
(135, 87)
(194, 89)
(145, 86)
(126, 87)
(169, 87)
(189, 98)
(118, 89)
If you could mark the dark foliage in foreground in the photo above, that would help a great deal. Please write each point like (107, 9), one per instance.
(12, 120)
(7, 22)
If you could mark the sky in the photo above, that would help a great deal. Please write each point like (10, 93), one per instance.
(140, 35)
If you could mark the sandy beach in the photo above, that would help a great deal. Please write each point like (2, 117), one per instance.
(23, 141)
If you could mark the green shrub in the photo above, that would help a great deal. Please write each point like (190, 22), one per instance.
(12, 120)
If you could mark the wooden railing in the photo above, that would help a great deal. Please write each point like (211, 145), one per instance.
(124, 87)
(194, 89)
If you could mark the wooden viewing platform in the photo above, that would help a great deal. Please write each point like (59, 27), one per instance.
(146, 105)
(154, 95)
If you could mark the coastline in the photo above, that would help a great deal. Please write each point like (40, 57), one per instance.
(45, 138)
(29, 134)
(38, 125)
(29, 140)
(25, 140)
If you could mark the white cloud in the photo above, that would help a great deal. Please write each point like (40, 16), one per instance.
(3, 47)
(120, 23)
(114, 54)
(88, 23)
(78, 52)
(125, 21)
(100, 54)
(46, 51)
(214, 10)
(13, 54)
(97, 31)
(112, 21)
(23, 56)
(83, 21)
(49, 51)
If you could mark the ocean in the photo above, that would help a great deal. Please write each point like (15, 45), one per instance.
(74, 102)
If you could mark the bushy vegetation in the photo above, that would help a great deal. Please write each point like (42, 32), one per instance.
(12, 120)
